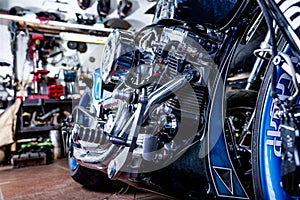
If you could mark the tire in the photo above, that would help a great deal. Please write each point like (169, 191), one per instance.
(257, 183)
(266, 158)
(240, 107)
(241, 98)
(92, 179)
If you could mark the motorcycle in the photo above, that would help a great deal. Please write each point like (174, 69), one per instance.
(170, 113)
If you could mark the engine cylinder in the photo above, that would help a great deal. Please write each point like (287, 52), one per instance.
(187, 97)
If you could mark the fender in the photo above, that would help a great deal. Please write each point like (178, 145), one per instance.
(221, 170)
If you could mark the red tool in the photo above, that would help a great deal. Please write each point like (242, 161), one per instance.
(34, 44)
(39, 82)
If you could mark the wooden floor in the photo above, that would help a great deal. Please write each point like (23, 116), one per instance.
(54, 182)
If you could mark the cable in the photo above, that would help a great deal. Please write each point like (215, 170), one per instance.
(269, 21)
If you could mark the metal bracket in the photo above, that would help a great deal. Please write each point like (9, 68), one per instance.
(119, 163)
(284, 61)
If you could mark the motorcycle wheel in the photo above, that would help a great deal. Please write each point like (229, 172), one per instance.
(240, 107)
(266, 144)
(243, 99)
(93, 179)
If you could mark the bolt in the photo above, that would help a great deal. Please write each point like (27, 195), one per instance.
(111, 170)
(277, 60)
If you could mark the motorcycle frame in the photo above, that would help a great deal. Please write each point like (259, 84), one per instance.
(214, 143)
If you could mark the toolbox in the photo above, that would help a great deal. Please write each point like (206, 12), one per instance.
(32, 154)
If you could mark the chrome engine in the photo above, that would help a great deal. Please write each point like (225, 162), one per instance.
(158, 105)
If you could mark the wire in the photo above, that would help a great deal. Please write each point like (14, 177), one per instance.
(269, 21)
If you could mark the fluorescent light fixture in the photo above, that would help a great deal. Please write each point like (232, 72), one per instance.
(76, 37)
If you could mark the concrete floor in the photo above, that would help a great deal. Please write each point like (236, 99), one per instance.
(53, 181)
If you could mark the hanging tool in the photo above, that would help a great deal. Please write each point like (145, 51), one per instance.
(40, 85)
(34, 54)
(103, 8)
(84, 4)
(124, 7)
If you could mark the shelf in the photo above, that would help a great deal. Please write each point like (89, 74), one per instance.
(36, 129)
(44, 105)
(52, 24)
(43, 102)
(96, 34)
(34, 132)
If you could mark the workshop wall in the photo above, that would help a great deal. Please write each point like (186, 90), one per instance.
(40, 64)
(6, 67)
(6, 54)
(88, 60)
